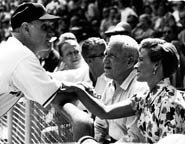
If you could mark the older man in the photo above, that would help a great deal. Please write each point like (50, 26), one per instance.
(21, 72)
(120, 57)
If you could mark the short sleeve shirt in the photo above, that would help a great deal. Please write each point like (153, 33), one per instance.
(124, 126)
(22, 74)
(160, 112)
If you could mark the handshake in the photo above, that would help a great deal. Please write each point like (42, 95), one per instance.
(70, 92)
(68, 87)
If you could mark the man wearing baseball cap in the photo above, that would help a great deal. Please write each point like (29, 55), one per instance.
(21, 73)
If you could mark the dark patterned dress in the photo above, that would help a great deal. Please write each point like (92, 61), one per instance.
(160, 112)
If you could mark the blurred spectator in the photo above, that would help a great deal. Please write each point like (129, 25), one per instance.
(114, 17)
(81, 28)
(148, 10)
(163, 13)
(170, 35)
(177, 8)
(181, 35)
(93, 12)
(55, 5)
(143, 29)
(132, 20)
(51, 62)
(105, 21)
(125, 9)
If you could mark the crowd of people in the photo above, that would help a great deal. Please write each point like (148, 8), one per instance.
(112, 69)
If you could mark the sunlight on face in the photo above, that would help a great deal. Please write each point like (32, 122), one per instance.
(115, 61)
(40, 38)
(144, 66)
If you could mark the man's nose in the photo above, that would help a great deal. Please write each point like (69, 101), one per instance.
(136, 65)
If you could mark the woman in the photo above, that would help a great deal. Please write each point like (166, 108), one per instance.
(159, 110)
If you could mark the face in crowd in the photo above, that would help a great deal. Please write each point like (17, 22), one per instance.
(71, 54)
(157, 59)
(120, 57)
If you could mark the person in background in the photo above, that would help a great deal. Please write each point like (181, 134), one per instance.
(132, 20)
(161, 109)
(125, 9)
(22, 73)
(72, 69)
(93, 52)
(143, 29)
(170, 34)
(181, 35)
(105, 21)
(50, 62)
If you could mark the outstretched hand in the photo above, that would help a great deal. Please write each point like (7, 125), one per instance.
(71, 87)
(76, 87)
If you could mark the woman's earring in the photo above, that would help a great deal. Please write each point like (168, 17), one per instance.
(154, 71)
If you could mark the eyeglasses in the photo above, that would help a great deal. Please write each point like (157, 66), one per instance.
(96, 56)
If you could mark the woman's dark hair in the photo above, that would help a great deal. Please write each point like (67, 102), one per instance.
(160, 50)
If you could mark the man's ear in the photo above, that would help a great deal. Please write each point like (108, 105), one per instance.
(131, 61)
(25, 27)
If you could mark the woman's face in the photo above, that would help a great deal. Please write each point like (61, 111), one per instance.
(144, 66)
(71, 55)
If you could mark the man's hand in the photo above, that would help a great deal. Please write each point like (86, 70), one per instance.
(71, 87)
(79, 87)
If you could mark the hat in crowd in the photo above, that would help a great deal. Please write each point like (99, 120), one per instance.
(120, 28)
(28, 12)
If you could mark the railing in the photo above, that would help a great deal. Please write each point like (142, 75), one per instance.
(27, 123)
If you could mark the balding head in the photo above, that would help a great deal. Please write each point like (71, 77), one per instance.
(127, 45)
(120, 58)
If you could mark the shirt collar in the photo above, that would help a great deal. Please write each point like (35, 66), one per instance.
(128, 80)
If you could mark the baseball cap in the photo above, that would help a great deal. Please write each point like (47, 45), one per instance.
(28, 12)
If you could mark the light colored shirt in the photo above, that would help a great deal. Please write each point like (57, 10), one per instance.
(124, 126)
(21, 73)
(73, 75)
(126, 12)
(101, 84)
(80, 74)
